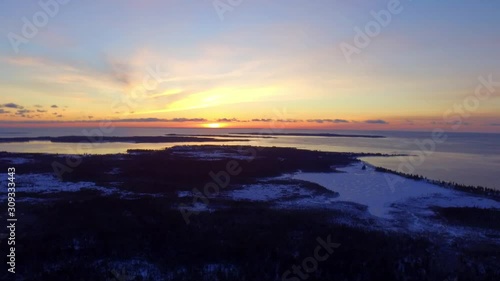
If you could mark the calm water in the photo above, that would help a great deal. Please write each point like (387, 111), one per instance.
(466, 158)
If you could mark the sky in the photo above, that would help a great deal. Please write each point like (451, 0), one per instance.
(325, 64)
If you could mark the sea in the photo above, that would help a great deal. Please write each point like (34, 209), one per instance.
(464, 158)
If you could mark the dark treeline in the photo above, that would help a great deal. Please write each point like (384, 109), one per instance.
(452, 185)
(312, 135)
(97, 139)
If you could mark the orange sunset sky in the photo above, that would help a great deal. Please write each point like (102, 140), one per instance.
(253, 64)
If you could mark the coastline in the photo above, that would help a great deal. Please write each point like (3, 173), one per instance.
(109, 139)
(175, 200)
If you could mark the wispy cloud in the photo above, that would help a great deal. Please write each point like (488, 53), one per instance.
(451, 123)
(262, 120)
(177, 120)
(320, 121)
(289, 120)
(11, 105)
(187, 120)
(229, 120)
(26, 61)
(120, 71)
(23, 111)
(377, 121)
(409, 122)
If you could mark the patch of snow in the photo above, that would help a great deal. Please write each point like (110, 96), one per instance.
(407, 207)
(131, 269)
(416, 214)
(76, 244)
(371, 188)
(458, 199)
(197, 207)
(17, 160)
(184, 194)
(267, 192)
(47, 183)
(218, 271)
(217, 267)
(292, 195)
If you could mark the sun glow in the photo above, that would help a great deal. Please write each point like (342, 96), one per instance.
(214, 125)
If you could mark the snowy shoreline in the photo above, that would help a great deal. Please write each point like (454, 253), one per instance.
(283, 197)
(359, 183)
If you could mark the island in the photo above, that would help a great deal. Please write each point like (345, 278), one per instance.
(243, 213)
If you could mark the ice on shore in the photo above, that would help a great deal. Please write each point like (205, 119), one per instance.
(407, 207)
(373, 189)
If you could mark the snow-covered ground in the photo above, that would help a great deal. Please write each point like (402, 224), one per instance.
(268, 192)
(371, 188)
(130, 269)
(356, 185)
(47, 183)
(407, 207)
(17, 160)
